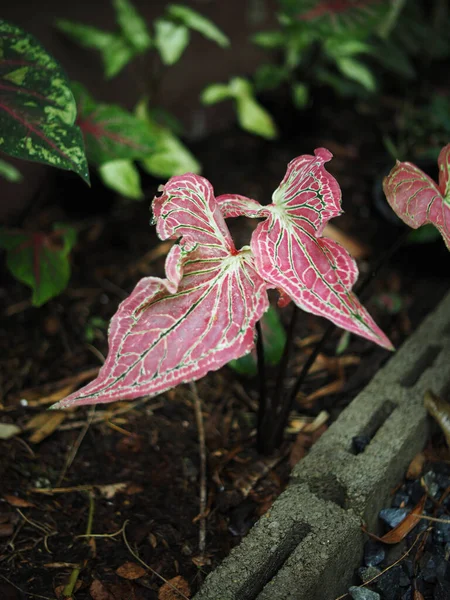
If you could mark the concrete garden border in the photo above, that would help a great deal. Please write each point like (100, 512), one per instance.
(307, 546)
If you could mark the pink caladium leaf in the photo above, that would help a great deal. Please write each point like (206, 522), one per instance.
(417, 199)
(196, 320)
(316, 273)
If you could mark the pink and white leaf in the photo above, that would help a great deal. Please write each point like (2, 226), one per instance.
(176, 330)
(316, 273)
(417, 199)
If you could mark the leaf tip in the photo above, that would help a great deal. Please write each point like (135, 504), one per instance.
(323, 154)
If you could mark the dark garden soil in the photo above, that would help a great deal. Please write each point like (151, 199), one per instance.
(129, 472)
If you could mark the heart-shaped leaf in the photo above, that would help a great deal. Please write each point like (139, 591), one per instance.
(37, 108)
(123, 177)
(132, 25)
(198, 319)
(417, 199)
(316, 273)
(40, 260)
(171, 40)
(194, 20)
(110, 132)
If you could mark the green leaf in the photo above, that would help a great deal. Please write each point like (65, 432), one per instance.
(216, 92)
(115, 50)
(171, 40)
(37, 107)
(355, 70)
(300, 95)
(339, 47)
(123, 177)
(269, 77)
(424, 235)
(251, 115)
(132, 25)
(274, 340)
(9, 172)
(117, 56)
(170, 156)
(269, 39)
(40, 260)
(85, 35)
(110, 132)
(194, 20)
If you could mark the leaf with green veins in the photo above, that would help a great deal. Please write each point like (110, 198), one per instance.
(110, 132)
(274, 340)
(40, 260)
(132, 25)
(216, 92)
(194, 20)
(170, 156)
(171, 40)
(9, 172)
(115, 50)
(37, 107)
(251, 115)
(123, 177)
(355, 70)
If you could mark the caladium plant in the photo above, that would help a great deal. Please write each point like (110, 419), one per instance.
(417, 199)
(203, 314)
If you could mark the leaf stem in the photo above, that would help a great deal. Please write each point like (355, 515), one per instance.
(288, 404)
(265, 404)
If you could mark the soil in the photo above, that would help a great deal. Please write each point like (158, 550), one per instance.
(151, 447)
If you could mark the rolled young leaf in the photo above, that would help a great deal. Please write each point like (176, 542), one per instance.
(316, 273)
(417, 199)
(196, 320)
(37, 108)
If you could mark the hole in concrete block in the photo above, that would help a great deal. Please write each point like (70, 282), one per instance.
(269, 567)
(327, 487)
(425, 360)
(368, 432)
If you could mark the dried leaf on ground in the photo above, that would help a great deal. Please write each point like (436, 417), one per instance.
(44, 425)
(169, 591)
(130, 570)
(416, 466)
(19, 502)
(402, 529)
(418, 595)
(99, 592)
(8, 430)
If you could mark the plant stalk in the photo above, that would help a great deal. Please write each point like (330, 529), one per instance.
(288, 403)
(265, 404)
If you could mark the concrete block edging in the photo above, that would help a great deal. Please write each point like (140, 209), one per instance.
(307, 546)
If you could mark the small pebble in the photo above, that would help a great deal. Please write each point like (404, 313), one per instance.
(367, 573)
(374, 553)
(388, 583)
(361, 593)
(400, 500)
(431, 485)
(393, 516)
(441, 532)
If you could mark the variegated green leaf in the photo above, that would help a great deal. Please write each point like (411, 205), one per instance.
(110, 132)
(132, 25)
(123, 177)
(37, 108)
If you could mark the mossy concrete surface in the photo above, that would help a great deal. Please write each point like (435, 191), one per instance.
(310, 542)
